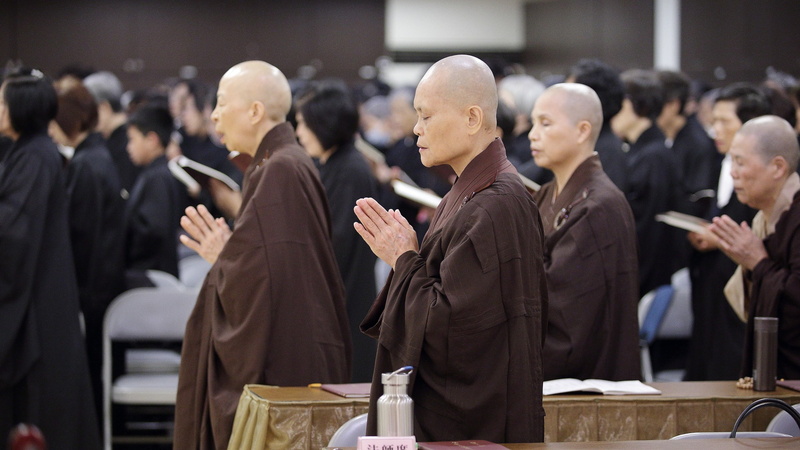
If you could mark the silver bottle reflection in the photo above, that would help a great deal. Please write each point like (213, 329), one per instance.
(395, 407)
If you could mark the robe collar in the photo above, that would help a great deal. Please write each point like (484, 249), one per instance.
(277, 138)
(649, 135)
(479, 174)
(790, 187)
(92, 140)
(575, 191)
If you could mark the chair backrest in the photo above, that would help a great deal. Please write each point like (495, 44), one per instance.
(157, 314)
(347, 435)
(164, 279)
(725, 434)
(666, 312)
(192, 270)
(784, 423)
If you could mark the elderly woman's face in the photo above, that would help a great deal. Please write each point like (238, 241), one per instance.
(5, 120)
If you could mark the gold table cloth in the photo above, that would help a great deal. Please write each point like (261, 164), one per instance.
(270, 417)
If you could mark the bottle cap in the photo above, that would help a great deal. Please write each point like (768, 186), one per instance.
(398, 377)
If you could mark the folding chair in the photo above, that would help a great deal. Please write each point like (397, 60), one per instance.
(142, 317)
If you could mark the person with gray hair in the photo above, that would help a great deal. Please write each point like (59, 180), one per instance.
(765, 155)
(107, 91)
(520, 92)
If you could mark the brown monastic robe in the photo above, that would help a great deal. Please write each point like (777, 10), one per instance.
(592, 278)
(271, 309)
(776, 293)
(467, 312)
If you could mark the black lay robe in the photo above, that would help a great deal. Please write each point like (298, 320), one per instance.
(653, 187)
(468, 312)
(592, 278)
(715, 349)
(96, 210)
(347, 177)
(44, 378)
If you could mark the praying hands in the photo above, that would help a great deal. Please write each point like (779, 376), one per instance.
(387, 233)
(208, 235)
(738, 241)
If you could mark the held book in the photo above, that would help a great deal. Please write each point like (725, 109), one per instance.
(605, 387)
(683, 221)
(415, 194)
(348, 390)
(196, 176)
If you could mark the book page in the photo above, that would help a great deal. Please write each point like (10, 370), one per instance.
(563, 385)
(628, 387)
(683, 221)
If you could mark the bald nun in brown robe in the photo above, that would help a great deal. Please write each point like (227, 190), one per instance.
(590, 244)
(271, 309)
(467, 308)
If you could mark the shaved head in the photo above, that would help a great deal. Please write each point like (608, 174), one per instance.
(258, 81)
(580, 103)
(464, 81)
(774, 137)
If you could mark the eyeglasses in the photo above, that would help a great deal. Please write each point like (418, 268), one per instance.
(563, 215)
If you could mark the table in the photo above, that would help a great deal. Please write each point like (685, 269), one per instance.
(706, 444)
(271, 417)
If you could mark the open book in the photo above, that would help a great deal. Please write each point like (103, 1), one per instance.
(683, 221)
(415, 194)
(197, 176)
(630, 387)
(240, 160)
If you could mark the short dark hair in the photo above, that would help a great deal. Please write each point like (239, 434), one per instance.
(330, 112)
(153, 118)
(676, 86)
(604, 80)
(644, 90)
(30, 99)
(199, 91)
(751, 102)
(77, 110)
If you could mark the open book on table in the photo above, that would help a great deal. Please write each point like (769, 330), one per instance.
(605, 387)
(197, 176)
(683, 221)
(348, 390)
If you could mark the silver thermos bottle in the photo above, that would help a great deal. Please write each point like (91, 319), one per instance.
(765, 358)
(395, 407)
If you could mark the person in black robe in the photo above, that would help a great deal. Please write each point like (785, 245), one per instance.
(44, 377)
(605, 81)
(695, 150)
(467, 307)
(96, 210)
(327, 120)
(715, 349)
(153, 211)
(106, 89)
(766, 154)
(590, 244)
(653, 184)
